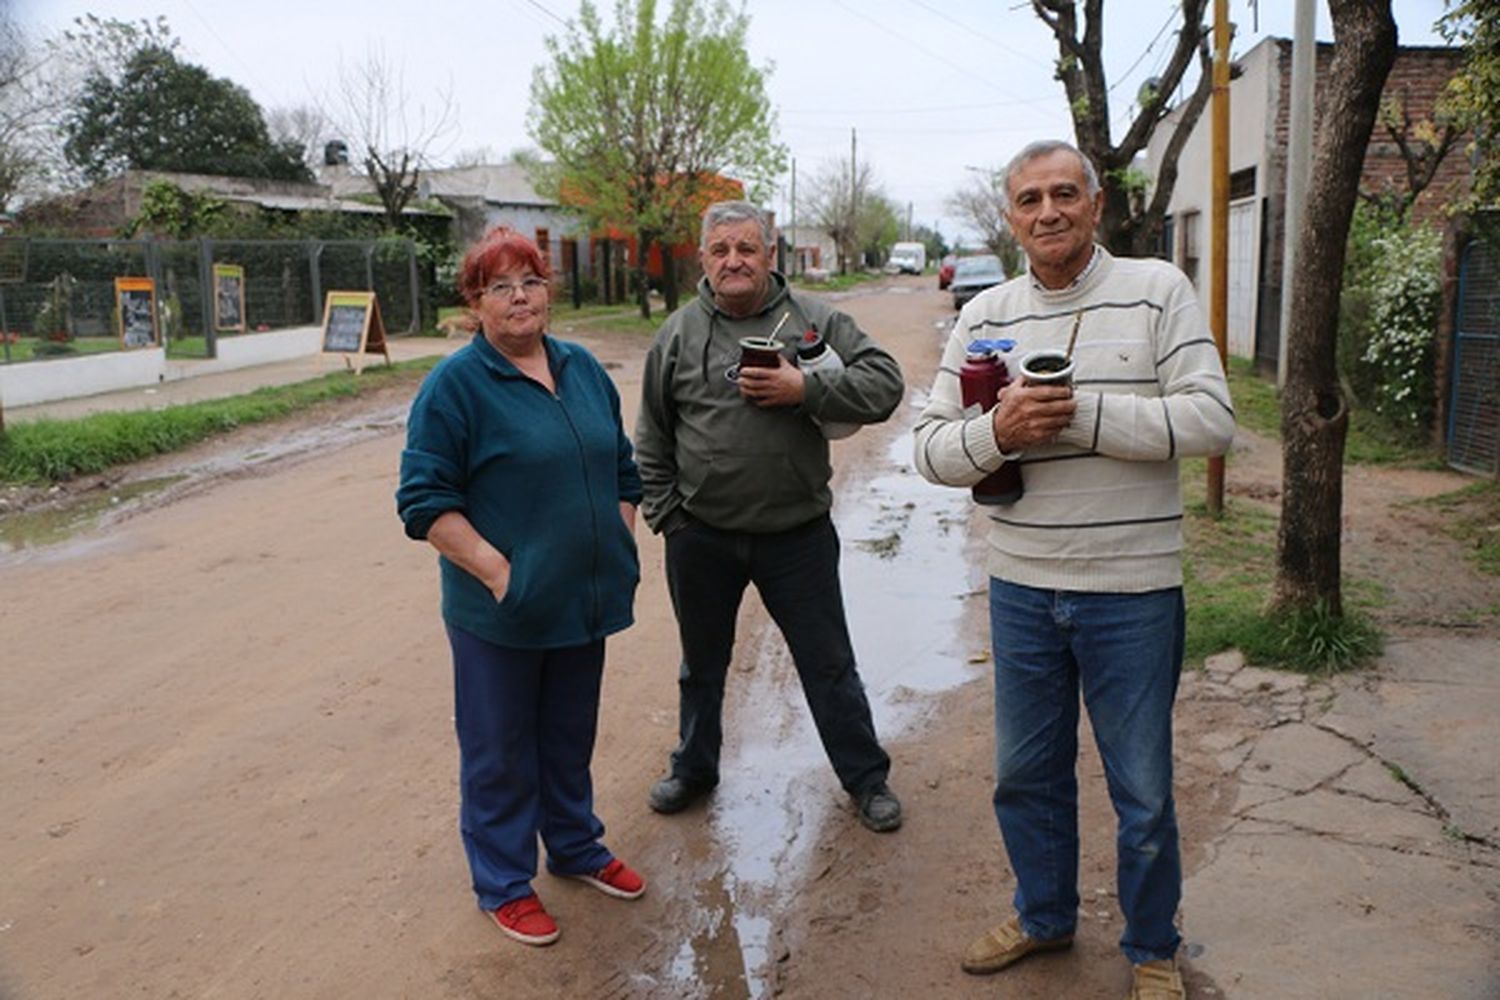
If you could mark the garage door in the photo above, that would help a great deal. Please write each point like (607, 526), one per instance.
(1241, 320)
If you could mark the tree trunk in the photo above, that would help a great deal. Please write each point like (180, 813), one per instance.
(1314, 413)
(643, 242)
(669, 279)
(1115, 222)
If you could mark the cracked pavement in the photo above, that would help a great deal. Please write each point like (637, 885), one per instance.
(1370, 805)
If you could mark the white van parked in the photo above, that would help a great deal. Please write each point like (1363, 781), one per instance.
(907, 258)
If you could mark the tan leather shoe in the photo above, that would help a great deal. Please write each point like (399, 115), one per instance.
(1005, 945)
(1159, 980)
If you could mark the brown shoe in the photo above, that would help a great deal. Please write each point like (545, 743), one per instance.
(1159, 980)
(1004, 945)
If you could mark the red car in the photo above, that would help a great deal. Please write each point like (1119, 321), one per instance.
(945, 272)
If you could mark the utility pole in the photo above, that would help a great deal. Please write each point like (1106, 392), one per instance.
(1219, 249)
(908, 220)
(795, 258)
(1298, 164)
(854, 201)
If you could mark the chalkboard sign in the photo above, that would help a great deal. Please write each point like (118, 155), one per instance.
(135, 307)
(352, 327)
(229, 297)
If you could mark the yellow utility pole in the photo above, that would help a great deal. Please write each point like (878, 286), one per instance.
(1219, 246)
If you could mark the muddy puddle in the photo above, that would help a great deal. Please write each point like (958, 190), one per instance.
(904, 577)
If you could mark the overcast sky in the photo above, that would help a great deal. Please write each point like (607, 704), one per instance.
(930, 87)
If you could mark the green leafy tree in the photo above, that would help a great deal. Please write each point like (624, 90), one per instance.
(1473, 96)
(879, 227)
(643, 120)
(160, 113)
(1131, 219)
(932, 238)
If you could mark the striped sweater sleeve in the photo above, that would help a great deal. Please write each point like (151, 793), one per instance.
(1192, 417)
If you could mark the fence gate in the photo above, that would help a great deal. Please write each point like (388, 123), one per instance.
(1474, 406)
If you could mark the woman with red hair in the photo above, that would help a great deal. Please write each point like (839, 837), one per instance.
(518, 472)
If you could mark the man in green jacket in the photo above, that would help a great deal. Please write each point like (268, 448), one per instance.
(736, 476)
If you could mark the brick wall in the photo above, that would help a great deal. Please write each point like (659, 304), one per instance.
(1416, 79)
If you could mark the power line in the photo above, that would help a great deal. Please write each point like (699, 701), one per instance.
(1149, 46)
(918, 111)
(233, 54)
(906, 40)
(979, 34)
(548, 12)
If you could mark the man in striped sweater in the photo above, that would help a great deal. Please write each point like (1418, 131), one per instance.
(1085, 568)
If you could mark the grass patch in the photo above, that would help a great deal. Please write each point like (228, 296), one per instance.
(1372, 440)
(625, 318)
(37, 349)
(45, 451)
(1257, 406)
(1473, 517)
(1229, 570)
(836, 282)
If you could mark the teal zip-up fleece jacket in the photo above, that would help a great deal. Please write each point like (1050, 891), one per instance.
(541, 477)
(732, 464)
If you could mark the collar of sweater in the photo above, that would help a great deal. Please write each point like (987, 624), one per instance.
(1089, 279)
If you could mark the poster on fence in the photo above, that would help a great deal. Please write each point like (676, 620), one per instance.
(135, 312)
(229, 298)
(352, 328)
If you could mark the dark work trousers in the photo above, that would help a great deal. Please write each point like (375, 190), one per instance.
(796, 573)
(526, 720)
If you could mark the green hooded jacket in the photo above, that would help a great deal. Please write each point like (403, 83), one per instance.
(729, 463)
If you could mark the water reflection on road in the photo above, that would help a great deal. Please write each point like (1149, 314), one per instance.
(904, 577)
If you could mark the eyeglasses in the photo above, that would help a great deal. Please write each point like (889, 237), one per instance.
(507, 289)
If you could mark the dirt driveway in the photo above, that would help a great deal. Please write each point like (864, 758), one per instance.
(228, 764)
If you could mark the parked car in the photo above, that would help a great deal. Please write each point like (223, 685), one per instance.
(907, 258)
(945, 271)
(972, 275)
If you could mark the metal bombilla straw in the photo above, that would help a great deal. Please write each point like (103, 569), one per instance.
(1073, 337)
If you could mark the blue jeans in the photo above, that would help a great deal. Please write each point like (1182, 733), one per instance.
(797, 575)
(526, 720)
(1124, 652)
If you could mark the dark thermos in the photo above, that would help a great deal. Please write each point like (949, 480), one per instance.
(983, 375)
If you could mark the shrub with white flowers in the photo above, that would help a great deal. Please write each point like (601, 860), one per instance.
(1405, 287)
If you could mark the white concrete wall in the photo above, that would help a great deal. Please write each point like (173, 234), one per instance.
(27, 382)
(1252, 109)
(243, 350)
(46, 381)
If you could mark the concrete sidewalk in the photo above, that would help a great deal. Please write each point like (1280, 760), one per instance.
(191, 388)
(1368, 807)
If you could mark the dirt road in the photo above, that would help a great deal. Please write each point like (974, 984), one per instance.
(229, 770)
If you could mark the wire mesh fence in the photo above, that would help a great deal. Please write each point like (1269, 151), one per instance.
(58, 296)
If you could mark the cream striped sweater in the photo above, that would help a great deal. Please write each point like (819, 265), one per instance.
(1102, 509)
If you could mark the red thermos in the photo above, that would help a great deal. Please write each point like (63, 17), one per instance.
(981, 378)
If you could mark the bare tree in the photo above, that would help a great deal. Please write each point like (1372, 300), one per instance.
(1314, 412)
(1130, 219)
(304, 126)
(31, 101)
(394, 139)
(475, 156)
(1423, 146)
(979, 204)
(834, 202)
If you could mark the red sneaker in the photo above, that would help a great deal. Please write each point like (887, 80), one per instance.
(526, 920)
(615, 879)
